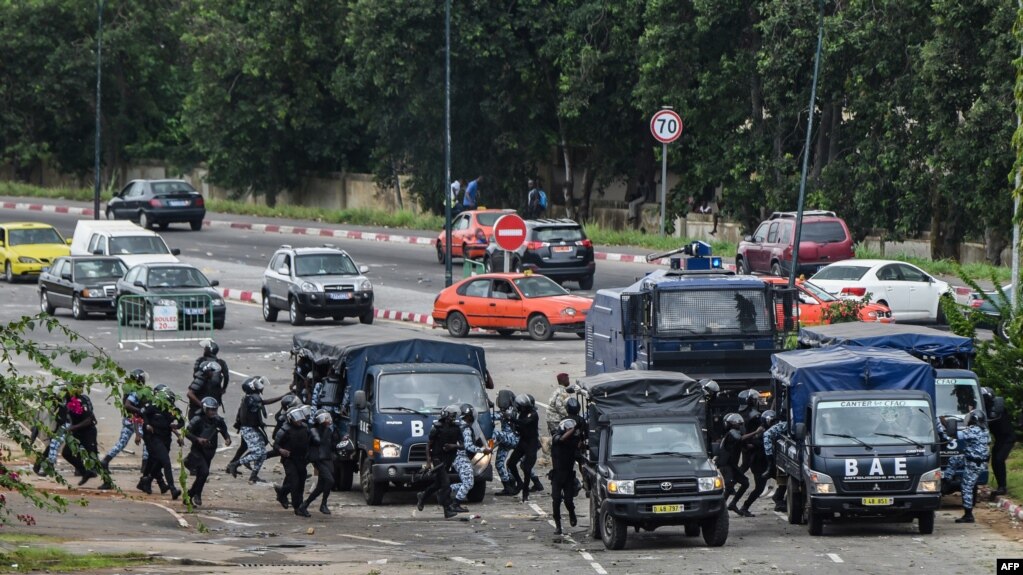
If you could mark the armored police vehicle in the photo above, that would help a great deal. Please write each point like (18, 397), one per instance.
(647, 463)
(861, 439)
(391, 391)
(957, 387)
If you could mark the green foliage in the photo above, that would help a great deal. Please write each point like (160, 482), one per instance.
(946, 267)
(26, 559)
(843, 311)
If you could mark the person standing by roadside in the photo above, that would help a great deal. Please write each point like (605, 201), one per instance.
(536, 201)
(1000, 423)
(472, 195)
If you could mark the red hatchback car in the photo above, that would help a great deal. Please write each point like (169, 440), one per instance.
(825, 239)
(469, 232)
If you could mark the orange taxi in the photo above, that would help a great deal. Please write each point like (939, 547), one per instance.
(813, 300)
(470, 231)
(508, 303)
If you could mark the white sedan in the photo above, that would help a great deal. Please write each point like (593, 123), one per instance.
(907, 290)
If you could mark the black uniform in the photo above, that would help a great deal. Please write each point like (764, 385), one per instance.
(754, 459)
(201, 455)
(223, 369)
(441, 434)
(727, 461)
(1000, 424)
(77, 411)
(295, 439)
(528, 426)
(204, 385)
(564, 452)
(160, 424)
(321, 455)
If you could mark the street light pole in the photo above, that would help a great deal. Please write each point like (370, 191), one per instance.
(100, 4)
(447, 143)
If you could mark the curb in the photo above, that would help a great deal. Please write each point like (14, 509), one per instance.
(388, 314)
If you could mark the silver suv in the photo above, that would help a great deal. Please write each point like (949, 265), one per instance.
(316, 282)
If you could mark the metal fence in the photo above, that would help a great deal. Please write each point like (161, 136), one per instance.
(159, 317)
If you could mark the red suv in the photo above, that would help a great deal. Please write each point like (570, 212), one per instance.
(825, 239)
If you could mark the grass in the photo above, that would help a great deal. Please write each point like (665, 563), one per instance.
(1014, 474)
(28, 191)
(54, 560)
(358, 217)
(979, 271)
(606, 237)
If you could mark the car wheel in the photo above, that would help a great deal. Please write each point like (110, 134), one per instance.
(516, 266)
(458, 326)
(297, 317)
(440, 253)
(44, 303)
(110, 214)
(196, 225)
(715, 530)
(612, 530)
(586, 283)
(814, 520)
(505, 332)
(367, 318)
(269, 311)
(743, 266)
(8, 273)
(1001, 330)
(76, 308)
(540, 328)
(219, 324)
(776, 269)
(145, 221)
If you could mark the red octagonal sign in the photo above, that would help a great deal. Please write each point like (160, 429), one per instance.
(510, 232)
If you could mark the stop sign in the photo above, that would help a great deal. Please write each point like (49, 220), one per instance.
(510, 232)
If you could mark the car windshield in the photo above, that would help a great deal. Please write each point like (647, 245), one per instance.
(841, 273)
(651, 438)
(126, 245)
(177, 277)
(324, 265)
(430, 391)
(956, 395)
(539, 286)
(559, 234)
(489, 218)
(684, 312)
(818, 292)
(822, 232)
(106, 269)
(168, 188)
(873, 422)
(34, 236)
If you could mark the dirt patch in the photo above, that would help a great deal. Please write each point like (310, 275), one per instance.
(999, 522)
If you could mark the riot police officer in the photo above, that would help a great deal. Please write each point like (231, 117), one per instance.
(130, 424)
(754, 458)
(329, 394)
(471, 444)
(727, 459)
(323, 437)
(161, 420)
(564, 452)
(772, 430)
(442, 445)
(972, 461)
(80, 422)
(528, 425)
(249, 423)
(202, 432)
(210, 352)
(505, 440)
(207, 382)
(1000, 424)
(293, 444)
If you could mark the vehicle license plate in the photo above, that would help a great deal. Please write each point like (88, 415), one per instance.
(195, 310)
(178, 203)
(668, 508)
(562, 249)
(340, 295)
(877, 501)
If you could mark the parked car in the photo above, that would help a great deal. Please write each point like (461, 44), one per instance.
(911, 293)
(83, 284)
(316, 282)
(992, 315)
(176, 282)
(813, 300)
(27, 247)
(556, 248)
(130, 243)
(824, 239)
(509, 303)
(469, 232)
(158, 203)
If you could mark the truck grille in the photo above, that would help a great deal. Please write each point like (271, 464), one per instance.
(882, 486)
(109, 291)
(657, 486)
(417, 453)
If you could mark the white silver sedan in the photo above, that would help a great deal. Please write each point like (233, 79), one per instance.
(911, 293)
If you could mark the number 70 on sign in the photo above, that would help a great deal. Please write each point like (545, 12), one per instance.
(666, 126)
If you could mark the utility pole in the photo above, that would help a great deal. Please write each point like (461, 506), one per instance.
(100, 4)
(447, 143)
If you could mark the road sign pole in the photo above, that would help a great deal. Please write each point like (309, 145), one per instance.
(666, 127)
(507, 261)
(664, 182)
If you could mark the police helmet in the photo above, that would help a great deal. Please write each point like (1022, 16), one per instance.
(566, 424)
(139, 375)
(322, 417)
(247, 385)
(210, 404)
(450, 412)
(748, 398)
(522, 401)
(532, 400)
(976, 417)
(160, 388)
(211, 348)
(210, 368)
(467, 412)
(987, 392)
(733, 421)
(572, 406)
(710, 387)
(768, 418)
(299, 414)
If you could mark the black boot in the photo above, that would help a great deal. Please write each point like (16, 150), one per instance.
(421, 500)
(457, 507)
(323, 508)
(175, 493)
(232, 468)
(145, 485)
(302, 511)
(509, 489)
(745, 512)
(572, 520)
(449, 512)
(105, 463)
(537, 486)
(557, 525)
(967, 517)
(282, 497)
(996, 493)
(254, 478)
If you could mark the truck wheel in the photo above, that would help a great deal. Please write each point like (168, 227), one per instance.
(372, 490)
(540, 328)
(613, 531)
(715, 529)
(594, 530)
(794, 502)
(692, 529)
(343, 475)
(478, 491)
(814, 521)
(926, 521)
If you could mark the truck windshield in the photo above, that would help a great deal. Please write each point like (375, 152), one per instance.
(713, 311)
(956, 395)
(874, 422)
(430, 391)
(126, 245)
(655, 438)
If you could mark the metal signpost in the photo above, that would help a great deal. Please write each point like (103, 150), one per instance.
(666, 126)
(509, 234)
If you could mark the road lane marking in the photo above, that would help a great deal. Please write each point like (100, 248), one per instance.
(381, 541)
(181, 520)
(238, 373)
(543, 405)
(586, 556)
(834, 557)
(464, 560)
(596, 567)
(781, 516)
(536, 508)
(230, 521)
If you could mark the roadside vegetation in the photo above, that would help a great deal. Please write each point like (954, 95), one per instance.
(28, 553)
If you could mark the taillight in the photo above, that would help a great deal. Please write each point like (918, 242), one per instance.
(535, 245)
(856, 291)
(976, 302)
(585, 244)
(199, 202)
(155, 203)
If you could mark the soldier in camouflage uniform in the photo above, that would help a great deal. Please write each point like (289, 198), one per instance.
(774, 429)
(249, 423)
(556, 405)
(505, 439)
(974, 440)
(471, 444)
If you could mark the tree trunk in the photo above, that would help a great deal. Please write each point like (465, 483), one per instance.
(945, 234)
(567, 187)
(583, 213)
(397, 187)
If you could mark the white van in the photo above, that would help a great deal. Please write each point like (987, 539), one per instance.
(123, 239)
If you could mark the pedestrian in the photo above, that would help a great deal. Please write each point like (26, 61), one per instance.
(60, 394)
(972, 461)
(471, 444)
(131, 424)
(206, 382)
(453, 197)
(773, 430)
(564, 453)
(1000, 423)
(528, 425)
(80, 421)
(727, 459)
(471, 200)
(556, 404)
(536, 201)
(202, 431)
(161, 419)
(293, 444)
(323, 437)
(442, 446)
(249, 422)
(211, 351)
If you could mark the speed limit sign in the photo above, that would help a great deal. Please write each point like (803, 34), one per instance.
(666, 126)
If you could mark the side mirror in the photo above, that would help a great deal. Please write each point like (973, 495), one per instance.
(284, 271)
(138, 283)
(97, 252)
(360, 399)
(1, 243)
(513, 295)
(214, 283)
(65, 276)
(363, 269)
(488, 382)
(175, 252)
(747, 238)
(67, 241)
(799, 431)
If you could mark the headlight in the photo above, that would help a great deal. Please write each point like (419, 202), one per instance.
(569, 311)
(167, 302)
(87, 293)
(625, 487)
(930, 482)
(711, 483)
(27, 260)
(218, 303)
(821, 484)
(366, 285)
(389, 450)
(872, 314)
(308, 287)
